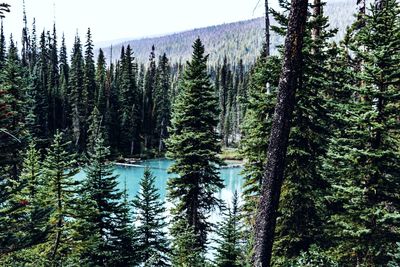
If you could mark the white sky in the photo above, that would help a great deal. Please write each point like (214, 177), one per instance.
(121, 19)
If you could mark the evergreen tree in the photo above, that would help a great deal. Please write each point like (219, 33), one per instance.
(101, 79)
(59, 169)
(185, 250)
(101, 188)
(53, 86)
(229, 233)
(64, 87)
(194, 146)
(304, 189)
(40, 82)
(256, 127)
(77, 97)
(130, 105)
(148, 101)
(89, 75)
(3, 47)
(150, 235)
(24, 216)
(125, 244)
(12, 117)
(162, 102)
(95, 129)
(363, 158)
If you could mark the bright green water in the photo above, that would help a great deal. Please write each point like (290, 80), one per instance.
(132, 175)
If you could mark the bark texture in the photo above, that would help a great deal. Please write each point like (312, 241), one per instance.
(274, 169)
(267, 33)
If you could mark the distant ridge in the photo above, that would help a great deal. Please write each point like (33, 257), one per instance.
(237, 40)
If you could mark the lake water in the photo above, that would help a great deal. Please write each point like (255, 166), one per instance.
(133, 174)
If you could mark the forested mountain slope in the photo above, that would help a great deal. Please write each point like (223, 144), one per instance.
(238, 40)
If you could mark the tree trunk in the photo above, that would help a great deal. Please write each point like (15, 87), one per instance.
(316, 30)
(278, 143)
(267, 34)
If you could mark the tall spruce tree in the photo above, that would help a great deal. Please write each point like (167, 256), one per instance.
(130, 104)
(65, 105)
(89, 75)
(27, 213)
(3, 47)
(303, 193)
(101, 188)
(363, 158)
(148, 101)
(12, 127)
(194, 146)
(77, 97)
(59, 169)
(162, 102)
(150, 233)
(101, 95)
(53, 87)
(229, 253)
(125, 245)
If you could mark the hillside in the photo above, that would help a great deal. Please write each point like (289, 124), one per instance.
(235, 40)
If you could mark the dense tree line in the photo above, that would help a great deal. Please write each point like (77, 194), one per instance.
(334, 201)
(331, 199)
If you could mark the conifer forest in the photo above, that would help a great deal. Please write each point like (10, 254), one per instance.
(311, 116)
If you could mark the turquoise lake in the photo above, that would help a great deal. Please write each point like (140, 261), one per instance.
(133, 174)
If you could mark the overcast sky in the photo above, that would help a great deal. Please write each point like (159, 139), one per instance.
(118, 19)
(124, 19)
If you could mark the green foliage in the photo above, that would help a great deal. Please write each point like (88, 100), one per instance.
(363, 158)
(25, 216)
(395, 261)
(129, 104)
(150, 233)
(78, 95)
(314, 257)
(185, 249)
(59, 169)
(229, 249)
(193, 144)
(162, 102)
(102, 204)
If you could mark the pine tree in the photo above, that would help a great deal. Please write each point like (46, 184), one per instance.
(89, 75)
(229, 248)
(59, 169)
(162, 102)
(12, 117)
(185, 251)
(64, 87)
(303, 194)
(101, 187)
(130, 105)
(53, 86)
(77, 97)
(27, 211)
(194, 146)
(2, 47)
(101, 79)
(126, 245)
(23, 216)
(148, 101)
(95, 130)
(149, 209)
(256, 128)
(40, 82)
(363, 158)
